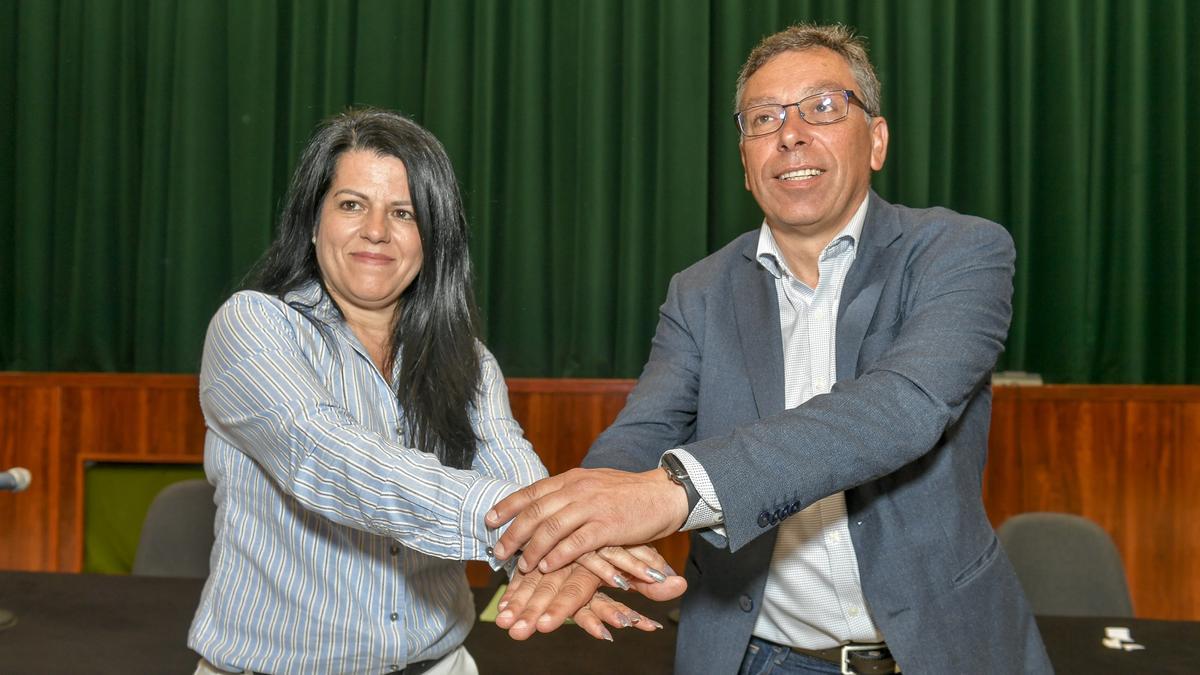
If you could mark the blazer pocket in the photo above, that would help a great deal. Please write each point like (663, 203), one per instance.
(979, 565)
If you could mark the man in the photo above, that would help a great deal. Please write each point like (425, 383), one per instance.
(824, 515)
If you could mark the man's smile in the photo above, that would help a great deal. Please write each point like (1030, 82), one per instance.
(800, 174)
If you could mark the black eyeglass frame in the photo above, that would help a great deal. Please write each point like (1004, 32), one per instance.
(849, 95)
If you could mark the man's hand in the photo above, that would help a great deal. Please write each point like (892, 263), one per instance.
(565, 516)
(537, 602)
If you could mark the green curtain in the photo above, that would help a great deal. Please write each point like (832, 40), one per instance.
(145, 144)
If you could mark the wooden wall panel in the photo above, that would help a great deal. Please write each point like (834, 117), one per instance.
(28, 438)
(1182, 537)
(1126, 457)
(561, 418)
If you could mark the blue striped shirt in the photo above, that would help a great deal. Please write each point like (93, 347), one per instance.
(338, 547)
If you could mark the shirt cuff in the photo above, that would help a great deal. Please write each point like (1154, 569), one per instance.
(479, 540)
(708, 510)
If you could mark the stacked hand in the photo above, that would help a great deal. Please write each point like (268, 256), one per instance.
(540, 602)
(568, 529)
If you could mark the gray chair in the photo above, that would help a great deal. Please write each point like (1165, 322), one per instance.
(177, 535)
(1067, 565)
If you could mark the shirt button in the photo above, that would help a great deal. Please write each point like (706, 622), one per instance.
(854, 610)
(835, 537)
(745, 603)
(394, 616)
(491, 552)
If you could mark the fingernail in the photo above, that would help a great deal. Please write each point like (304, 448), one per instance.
(607, 635)
(502, 605)
(500, 551)
(492, 517)
(504, 616)
(522, 565)
(657, 576)
(655, 624)
(624, 620)
(545, 618)
(544, 566)
(635, 619)
(670, 572)
(620, 582)
(520, 625)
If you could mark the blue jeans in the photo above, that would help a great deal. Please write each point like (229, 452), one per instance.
(763, 658)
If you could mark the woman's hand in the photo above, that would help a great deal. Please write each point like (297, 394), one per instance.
(616, 565)
(537, 602)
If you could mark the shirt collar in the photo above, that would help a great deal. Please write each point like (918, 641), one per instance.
(772, 260)
(318, 303)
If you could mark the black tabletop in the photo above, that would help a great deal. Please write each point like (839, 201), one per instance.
(71, 623)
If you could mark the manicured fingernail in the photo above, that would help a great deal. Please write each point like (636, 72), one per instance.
(607, 635)
(655, 624)
(635, 619)
(545, 618)
(670, 571)
(657, 576)
(520, 625)
(620, 582)
(504, 616)
(624, 620)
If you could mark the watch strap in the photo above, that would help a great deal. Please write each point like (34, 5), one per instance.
(679, 475)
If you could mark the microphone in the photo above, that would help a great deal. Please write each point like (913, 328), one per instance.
(15, 479)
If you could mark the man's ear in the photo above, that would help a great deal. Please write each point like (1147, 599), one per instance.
(879, 142)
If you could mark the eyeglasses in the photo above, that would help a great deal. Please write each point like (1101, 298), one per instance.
(825, 108)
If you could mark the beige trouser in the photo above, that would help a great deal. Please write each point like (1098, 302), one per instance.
(457, 662)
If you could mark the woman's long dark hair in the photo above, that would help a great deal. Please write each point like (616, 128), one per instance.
(436, 326)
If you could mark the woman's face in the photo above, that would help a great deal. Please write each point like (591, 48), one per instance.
(367, 241)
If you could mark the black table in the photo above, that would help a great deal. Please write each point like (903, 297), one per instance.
(72, 623)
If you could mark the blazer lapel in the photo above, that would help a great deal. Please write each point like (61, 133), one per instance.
(757, 312)
(860, 292)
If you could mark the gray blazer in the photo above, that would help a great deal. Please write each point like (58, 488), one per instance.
(923, 317)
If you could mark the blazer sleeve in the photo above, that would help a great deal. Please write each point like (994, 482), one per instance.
(957, 288)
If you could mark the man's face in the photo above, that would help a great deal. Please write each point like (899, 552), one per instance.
(808, 179)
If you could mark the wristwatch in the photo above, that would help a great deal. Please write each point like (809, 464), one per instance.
(679, 475)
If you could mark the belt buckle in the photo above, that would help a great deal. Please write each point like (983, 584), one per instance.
(848, 649)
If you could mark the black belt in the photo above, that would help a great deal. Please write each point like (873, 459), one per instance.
(865, 659)
(416, 667)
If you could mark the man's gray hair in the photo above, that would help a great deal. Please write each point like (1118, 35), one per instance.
(836, 38)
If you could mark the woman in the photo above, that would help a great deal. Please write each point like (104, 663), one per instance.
(357, 430)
